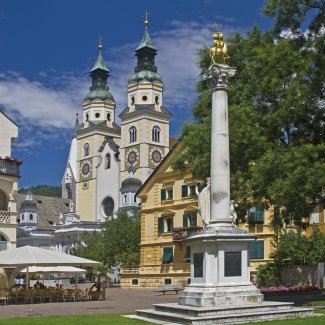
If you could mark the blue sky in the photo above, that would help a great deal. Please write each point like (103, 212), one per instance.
(48, 48)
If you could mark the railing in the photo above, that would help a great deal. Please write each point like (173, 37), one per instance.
(7, 217)
(180, 233)
(8, 167)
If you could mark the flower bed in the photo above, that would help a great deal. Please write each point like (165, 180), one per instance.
(279, 290)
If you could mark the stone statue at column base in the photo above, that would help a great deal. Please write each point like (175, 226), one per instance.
(204, 202)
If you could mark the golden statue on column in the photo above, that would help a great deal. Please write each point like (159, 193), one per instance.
(218, 52)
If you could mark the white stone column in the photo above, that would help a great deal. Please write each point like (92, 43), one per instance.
(220, 165)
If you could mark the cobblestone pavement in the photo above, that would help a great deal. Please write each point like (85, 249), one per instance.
(117, 301)
(121, 301)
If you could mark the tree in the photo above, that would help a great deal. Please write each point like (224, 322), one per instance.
(116, 243)
(276, 122)
(45, 190)
(296, 249)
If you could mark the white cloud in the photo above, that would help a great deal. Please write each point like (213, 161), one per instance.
(48, 103)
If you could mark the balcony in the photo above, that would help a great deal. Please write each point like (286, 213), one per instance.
(9, 167)
(181, 233)
(7, 217)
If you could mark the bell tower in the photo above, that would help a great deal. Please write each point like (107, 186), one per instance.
(98, 139)
(145, 121)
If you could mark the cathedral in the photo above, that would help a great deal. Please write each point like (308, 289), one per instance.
(107, 162)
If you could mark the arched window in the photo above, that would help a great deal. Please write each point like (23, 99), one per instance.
(108, 206)
(108, 161)
(31, 216)
(108, 116)
(86, 149)
(125, 198)
(132, 134)
(156, 134)
(3, 243)
(87, 117)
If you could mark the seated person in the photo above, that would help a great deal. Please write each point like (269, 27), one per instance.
(37, 285)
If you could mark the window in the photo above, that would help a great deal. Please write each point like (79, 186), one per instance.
(108, 161)
(87, 117)
(256, 214)
(108, 206)
(167, 281)
(157, 100)
(169, 224)
(3, 243)
(132, 100)
(22, 217)
(134, 199)
(155, 136)
(166, 194)
(132, 134)
(135, 282)
(189, 219)
(165, 225)
(188, 190)
(167, 255)
(97, 115)
(125, 198)
(144, 98)
(187, 256)
(108, 116)
(256, 250)
(86, 149)
(30, 216)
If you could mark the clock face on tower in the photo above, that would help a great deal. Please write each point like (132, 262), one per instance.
(156, 156)
(85, 169)
(132, 157)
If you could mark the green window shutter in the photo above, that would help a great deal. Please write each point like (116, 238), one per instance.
(260, 214)
(252, 250)
(193, 219)
(163, 194)
(184, 190)
(185, 223)
(260, 249)
(160, 225)
(168, 255)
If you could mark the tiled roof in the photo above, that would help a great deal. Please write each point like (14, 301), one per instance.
(49, 209)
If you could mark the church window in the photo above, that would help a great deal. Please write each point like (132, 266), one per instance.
(97, 115)
(22, 217)
(144, 98)
(86, 149)
(157, 100)
(108, 161)
(31, 217)
(3, 243)
(155, 134)
(108, 206)
(132, 134)
(69, 193)
(108, 116)
(134, 199)
(132, 100)
(87, 117)
(125, 198)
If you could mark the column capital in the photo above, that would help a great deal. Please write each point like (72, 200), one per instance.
(218, 75)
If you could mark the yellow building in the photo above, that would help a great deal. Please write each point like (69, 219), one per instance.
(168, 215)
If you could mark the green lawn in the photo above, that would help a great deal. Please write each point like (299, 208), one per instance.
(120, 320)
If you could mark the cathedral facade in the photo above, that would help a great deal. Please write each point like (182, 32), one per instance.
(108, 162)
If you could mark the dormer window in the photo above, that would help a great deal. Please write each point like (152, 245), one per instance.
(132, 134)
(155, 136)
(86, 149)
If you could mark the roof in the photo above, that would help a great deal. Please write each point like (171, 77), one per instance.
(130, 184)
(145, 42)
(49, 209)
(145, 108)
(100, 64)
(145, 74)
(9, 118)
